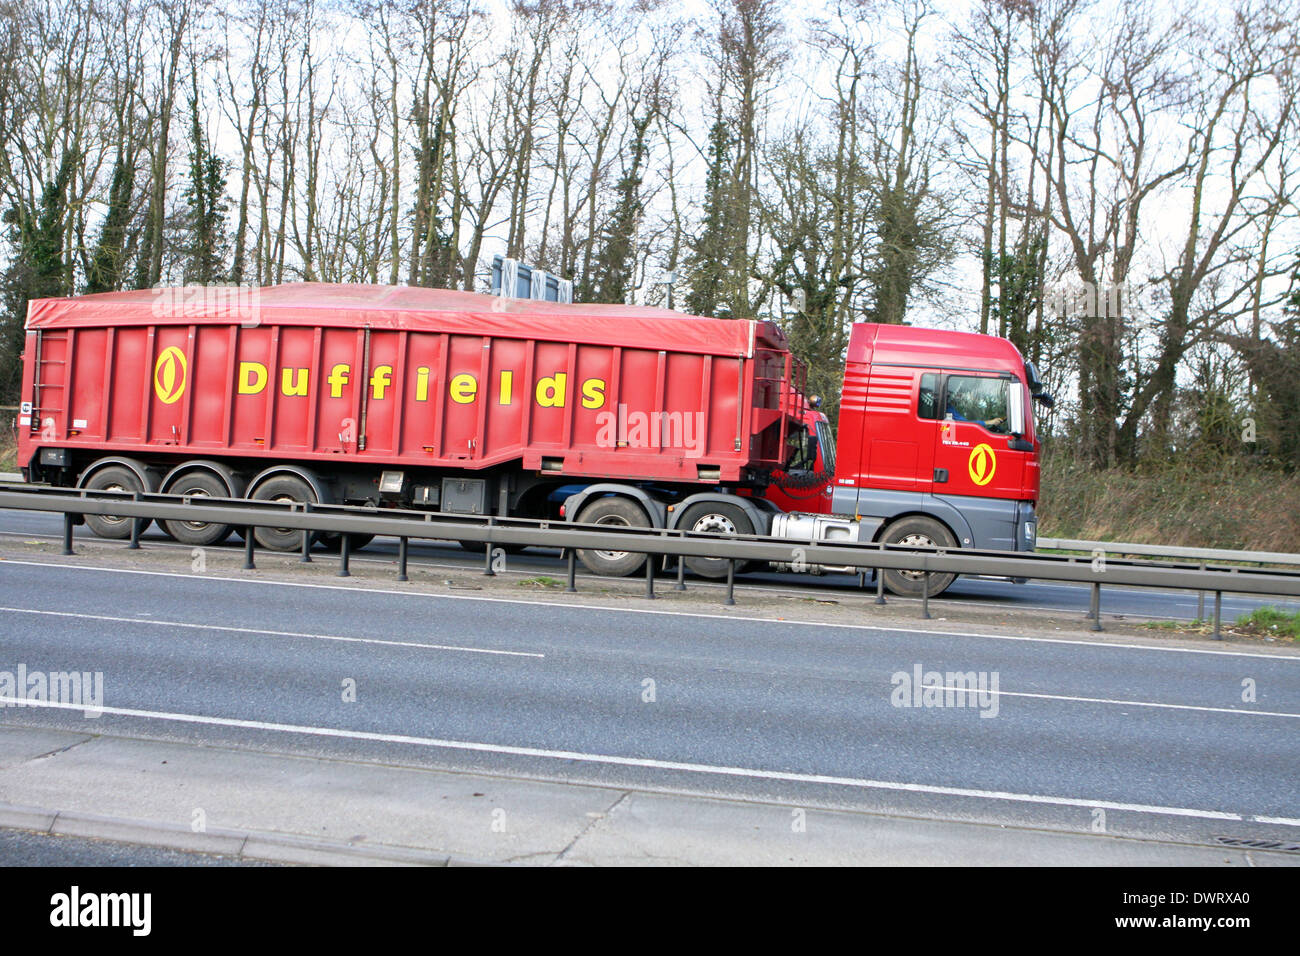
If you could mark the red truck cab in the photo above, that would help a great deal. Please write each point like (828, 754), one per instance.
(936, 446)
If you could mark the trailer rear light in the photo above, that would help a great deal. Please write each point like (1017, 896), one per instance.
(562, 508)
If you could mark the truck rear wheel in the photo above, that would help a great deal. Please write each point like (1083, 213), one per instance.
(616, 513)
(714, 517)
(923, 532)
(113, 478)
(282, 488)
(198, 484)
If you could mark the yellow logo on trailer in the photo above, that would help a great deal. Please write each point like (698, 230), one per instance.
(169, 374)
(982, 464)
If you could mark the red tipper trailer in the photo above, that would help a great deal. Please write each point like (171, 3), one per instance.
(404, 376)
(338, 384)
(477, 404)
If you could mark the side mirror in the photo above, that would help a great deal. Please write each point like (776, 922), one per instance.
(1045, 399)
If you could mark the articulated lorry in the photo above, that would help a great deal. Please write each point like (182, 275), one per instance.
(477, 404)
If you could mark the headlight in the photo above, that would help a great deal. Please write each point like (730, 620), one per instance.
(1029, 531)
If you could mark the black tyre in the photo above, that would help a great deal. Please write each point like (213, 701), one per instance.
(282, 488)
(333, 541)
(113, 478)
(707, 517)
(615, 513)
(925, 532)
(478, 547)
(198, 484)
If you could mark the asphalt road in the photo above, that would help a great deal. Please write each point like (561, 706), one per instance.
(965, 592)
(1150, 742)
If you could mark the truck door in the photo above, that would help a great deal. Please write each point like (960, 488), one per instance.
(975, 453)
(898, 443)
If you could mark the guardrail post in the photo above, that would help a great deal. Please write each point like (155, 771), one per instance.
(306, 547)
(1218, 607)
(925, 596)
(135, 527)
(487, 560)
(880, 586)
(249, 563)
(345, 554)
(650, 577)
(1094, 608)
(402, 544)
(681, 572)
(67, 533)
(572, 555)
(731, 582)
(1200, 601)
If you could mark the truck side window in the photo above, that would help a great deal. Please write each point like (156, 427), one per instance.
(927, 405)
(804, 446)
(979, 400)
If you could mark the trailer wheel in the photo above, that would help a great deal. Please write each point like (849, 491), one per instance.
(198, 484)
(714, 517)
(333, 541)
(921, 531)
(113, 478)
(282, 488)
(614, 512)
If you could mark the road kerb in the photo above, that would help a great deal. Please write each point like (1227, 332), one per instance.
(241, 844)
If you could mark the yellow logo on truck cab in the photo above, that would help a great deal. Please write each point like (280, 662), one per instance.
(982, 464)
(169, 375)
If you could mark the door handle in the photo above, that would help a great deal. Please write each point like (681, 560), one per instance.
(940, 475)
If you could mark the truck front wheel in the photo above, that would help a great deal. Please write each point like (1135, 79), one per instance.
(616, 513)
(923, 532)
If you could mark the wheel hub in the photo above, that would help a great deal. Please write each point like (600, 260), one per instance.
(915, 539)
(612, 555)
(714, 524)
(196, 493)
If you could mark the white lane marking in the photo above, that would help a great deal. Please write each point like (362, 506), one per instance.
(478, 650)
(365, 589)
(258, 630)
(1108, 700)
(644, 762)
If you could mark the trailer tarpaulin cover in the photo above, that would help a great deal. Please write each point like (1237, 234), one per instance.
(410, 308)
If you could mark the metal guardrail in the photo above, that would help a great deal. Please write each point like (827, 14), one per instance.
(656, 542)
(1172, 551)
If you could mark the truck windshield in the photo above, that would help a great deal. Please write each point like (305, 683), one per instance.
(827, 441)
